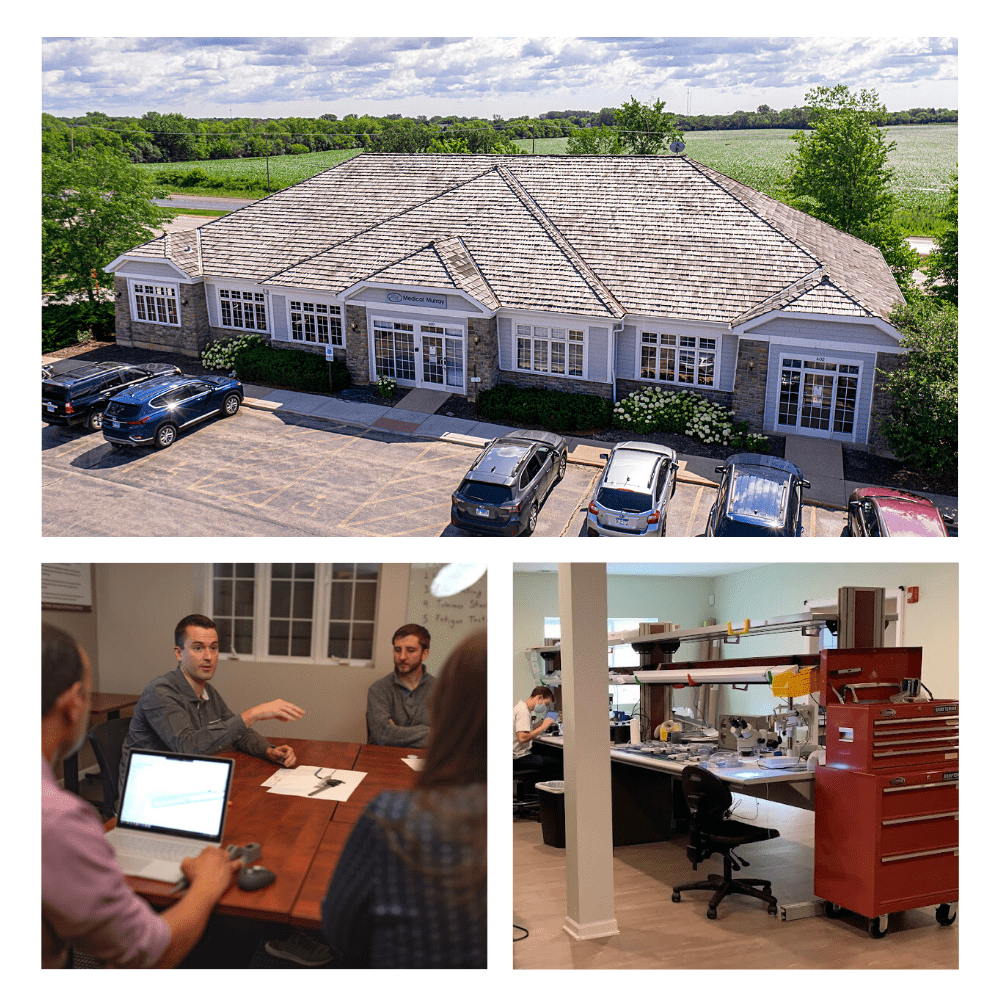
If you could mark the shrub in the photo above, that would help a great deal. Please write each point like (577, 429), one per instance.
(75, 323)
(548, 408)
(290, 368)
(221, 354)
(385, 386)
(654, 409)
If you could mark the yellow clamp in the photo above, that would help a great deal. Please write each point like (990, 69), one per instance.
(742, 631)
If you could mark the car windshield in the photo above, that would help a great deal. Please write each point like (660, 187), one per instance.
(127, 411)
(489, 493)
(625, 500)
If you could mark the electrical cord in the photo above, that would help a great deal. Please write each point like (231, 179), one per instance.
(518, 927)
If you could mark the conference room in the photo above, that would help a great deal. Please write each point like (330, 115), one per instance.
(658, 670)
(324, 639)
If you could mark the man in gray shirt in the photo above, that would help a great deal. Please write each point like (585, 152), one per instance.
(181, 712)
(397, 704)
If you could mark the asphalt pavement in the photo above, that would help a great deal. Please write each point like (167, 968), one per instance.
(821, 460)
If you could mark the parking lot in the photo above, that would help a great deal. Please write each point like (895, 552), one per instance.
(260, 473)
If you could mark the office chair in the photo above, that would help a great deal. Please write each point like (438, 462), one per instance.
(525, 794)
(107, 740)
(712, 832)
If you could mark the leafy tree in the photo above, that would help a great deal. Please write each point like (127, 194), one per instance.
(645, 129)
(942, 263)
(95, 206)
(840, 173)
(922, 428)
(595, 142)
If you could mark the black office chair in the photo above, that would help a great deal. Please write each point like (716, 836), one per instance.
(525, 794)
(713, 832)
(107, 740)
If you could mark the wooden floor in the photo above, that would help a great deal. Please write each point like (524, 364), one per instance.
(655, 933)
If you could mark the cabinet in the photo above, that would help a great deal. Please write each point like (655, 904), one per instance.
(887, 810)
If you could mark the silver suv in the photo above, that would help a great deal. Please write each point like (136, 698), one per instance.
(632, 495)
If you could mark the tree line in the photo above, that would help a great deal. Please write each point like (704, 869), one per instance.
(171, 138)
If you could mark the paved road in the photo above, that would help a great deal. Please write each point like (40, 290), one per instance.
(259, 473)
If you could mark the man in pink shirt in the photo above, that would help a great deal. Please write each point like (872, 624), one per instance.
(86, 902)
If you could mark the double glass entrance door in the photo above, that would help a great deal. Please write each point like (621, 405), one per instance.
(424, 354)
(818, 397)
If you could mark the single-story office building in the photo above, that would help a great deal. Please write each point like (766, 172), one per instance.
(595, 905)
(585, 274)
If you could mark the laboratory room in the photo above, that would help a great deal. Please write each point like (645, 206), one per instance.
(735, 766)
(245, 764)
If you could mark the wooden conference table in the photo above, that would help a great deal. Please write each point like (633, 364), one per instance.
(301, 838)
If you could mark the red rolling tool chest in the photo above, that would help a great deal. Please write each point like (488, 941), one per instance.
(887, 810)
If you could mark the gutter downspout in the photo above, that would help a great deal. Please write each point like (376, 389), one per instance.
(615, 330)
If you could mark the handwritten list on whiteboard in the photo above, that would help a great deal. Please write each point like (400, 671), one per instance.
(448, 619)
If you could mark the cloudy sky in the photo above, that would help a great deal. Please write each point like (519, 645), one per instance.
(481, 76)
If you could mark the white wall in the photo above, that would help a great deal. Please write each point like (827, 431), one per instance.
(768, 591)
(137, 605)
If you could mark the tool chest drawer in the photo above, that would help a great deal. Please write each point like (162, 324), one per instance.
(885, 736)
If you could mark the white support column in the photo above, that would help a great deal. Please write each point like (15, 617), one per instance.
(583, 613)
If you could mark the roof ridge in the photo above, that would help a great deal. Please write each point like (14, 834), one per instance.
(795, 290)
(472, 260)
(380, 223)
(603, 292)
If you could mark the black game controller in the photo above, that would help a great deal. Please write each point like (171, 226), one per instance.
(254, 877)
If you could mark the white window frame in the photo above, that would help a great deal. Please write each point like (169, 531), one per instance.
(256, 298)
(169, 291)
(546, 343)
(315, 312)
(839, 362)
(322, 586)
(670, 344)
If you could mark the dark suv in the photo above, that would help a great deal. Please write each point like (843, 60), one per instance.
(508, 482)
(156, 412)
(75, 393)
(759, 496)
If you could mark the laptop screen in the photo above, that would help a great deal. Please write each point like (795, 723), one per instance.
(180, 794)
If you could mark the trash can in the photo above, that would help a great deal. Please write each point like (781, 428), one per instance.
(552, 812)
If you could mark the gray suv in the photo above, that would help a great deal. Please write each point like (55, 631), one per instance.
(508, 482)
(759, 496)
(632, 495)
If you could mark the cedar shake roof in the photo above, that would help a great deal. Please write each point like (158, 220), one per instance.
(659, 236)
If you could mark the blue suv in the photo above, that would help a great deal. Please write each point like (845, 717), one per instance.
(155, 412)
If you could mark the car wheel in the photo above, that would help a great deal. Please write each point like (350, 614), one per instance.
(166, 434)
(532, 518)
(230, 405)
(96, 420)
(562, 467)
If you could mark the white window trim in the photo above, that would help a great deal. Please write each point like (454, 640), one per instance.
(235, 286)
(262, 614)
(549, 323)
(859, 432)
(133, 283)
(698, 335)
(335, 308)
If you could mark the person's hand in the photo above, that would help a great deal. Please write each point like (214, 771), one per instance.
(546, 722)
(283, 755)
(277, 709)
(211, 871)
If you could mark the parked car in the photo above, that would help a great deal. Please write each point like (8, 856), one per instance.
(877, 512)
(503, 490)
(632, 495)
(75, 393)
(759, 495)
(156, 412)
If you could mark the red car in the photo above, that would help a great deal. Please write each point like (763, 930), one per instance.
(877, 511)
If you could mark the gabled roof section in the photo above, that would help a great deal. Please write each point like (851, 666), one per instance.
(609, 236)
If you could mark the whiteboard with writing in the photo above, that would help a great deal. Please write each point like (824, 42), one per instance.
(448, 619)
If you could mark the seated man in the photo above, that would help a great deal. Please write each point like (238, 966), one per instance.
(536, 706)
(86, 902)
(182, 712)
(397, 704)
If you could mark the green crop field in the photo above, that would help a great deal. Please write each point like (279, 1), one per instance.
(924, 159)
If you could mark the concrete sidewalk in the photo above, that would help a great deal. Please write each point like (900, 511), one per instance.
(820, 460)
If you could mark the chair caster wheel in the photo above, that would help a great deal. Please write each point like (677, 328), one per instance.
(941, 914)
(772, 909)
(711, 913)
(878, 927)
(675, 897)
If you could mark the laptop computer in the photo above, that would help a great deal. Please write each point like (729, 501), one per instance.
(173, 806)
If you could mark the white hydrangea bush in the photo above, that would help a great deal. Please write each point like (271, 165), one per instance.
(221, 354)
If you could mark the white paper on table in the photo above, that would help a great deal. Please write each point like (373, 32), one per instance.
(417, 763)
(303, 779)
